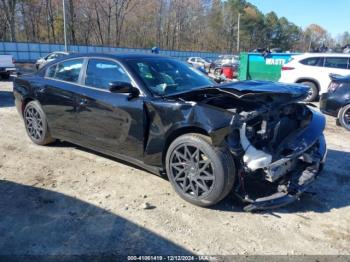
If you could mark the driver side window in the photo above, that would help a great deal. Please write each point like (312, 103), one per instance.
(100, 73)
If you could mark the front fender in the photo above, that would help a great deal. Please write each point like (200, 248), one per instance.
(168, 119)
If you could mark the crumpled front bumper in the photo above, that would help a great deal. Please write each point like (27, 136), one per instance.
(309, 149)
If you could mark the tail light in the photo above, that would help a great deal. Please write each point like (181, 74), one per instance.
(284, 68)
(13, 60)
(333, 86)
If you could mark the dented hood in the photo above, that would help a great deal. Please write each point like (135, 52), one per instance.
(252, 89)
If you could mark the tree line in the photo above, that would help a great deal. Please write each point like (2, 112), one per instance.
(198, 25)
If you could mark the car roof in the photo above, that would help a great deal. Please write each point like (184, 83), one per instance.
(306, 55)
(120, 56)
(60, 52)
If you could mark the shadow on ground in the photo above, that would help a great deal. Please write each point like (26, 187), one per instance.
(6, 98)
(34, 221)
(63, 144)
(329, 191)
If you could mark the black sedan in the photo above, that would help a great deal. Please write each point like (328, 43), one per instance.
(336, 102)
(169, 118)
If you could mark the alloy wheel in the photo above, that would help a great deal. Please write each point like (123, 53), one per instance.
(346, 117)
(192, 170)
(34, 123)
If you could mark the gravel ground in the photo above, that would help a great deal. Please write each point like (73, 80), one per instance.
(63, 199)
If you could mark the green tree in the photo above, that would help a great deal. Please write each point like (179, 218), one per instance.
(271, 29)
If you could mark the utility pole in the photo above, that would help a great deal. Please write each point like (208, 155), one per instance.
(238, 30)
(64, 26)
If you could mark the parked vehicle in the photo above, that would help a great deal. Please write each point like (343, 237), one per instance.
(226, 66)
(7, 66)
(346, 49)
(276, 50)
(259, 50)
(49, 58)
(336, 102)
(209, 60)
(226, 59)
(313, 70)
(161, 114)
(199, 62)
(227, 71)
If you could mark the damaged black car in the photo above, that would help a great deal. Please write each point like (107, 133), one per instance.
(160, 114)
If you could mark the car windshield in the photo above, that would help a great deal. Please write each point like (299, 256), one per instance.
(168, 76)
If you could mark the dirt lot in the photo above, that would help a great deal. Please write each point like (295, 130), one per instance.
(63, 199)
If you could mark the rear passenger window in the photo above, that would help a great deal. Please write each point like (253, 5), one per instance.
(69, 70)
(312, 61)
(50, 72)
(100, 73)
(337, 62)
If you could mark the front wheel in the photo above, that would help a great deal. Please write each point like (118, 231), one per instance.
(344, 117)
(199, 172)
(36, 124)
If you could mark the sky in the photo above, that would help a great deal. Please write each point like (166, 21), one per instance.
(334, 16)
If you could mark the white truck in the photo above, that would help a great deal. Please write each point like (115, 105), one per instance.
(7, 66)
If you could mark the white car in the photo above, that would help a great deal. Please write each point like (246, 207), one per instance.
(7, 66)
(313, 70)
(50, 57)
(198, 62)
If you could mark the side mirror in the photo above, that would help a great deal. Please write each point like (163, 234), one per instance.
(124, 88)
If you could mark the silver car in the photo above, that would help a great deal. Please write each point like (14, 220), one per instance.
(50, 57)
(198, 62)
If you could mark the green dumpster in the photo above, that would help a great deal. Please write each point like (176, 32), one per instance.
(256, 66)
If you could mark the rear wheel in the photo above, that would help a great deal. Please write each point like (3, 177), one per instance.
(199, 172)
(36, 124)
(313, 91)
(344, 117)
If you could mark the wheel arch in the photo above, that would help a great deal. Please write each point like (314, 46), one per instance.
(25, 102)
(179, 132)
(309, 79)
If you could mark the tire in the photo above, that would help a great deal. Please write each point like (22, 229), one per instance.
(217, 71)
(313, 92)
(202, 177)
(337, 122)
(344, 117)
(36, 124)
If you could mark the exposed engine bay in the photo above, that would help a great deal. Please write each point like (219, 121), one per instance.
(273, 137)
